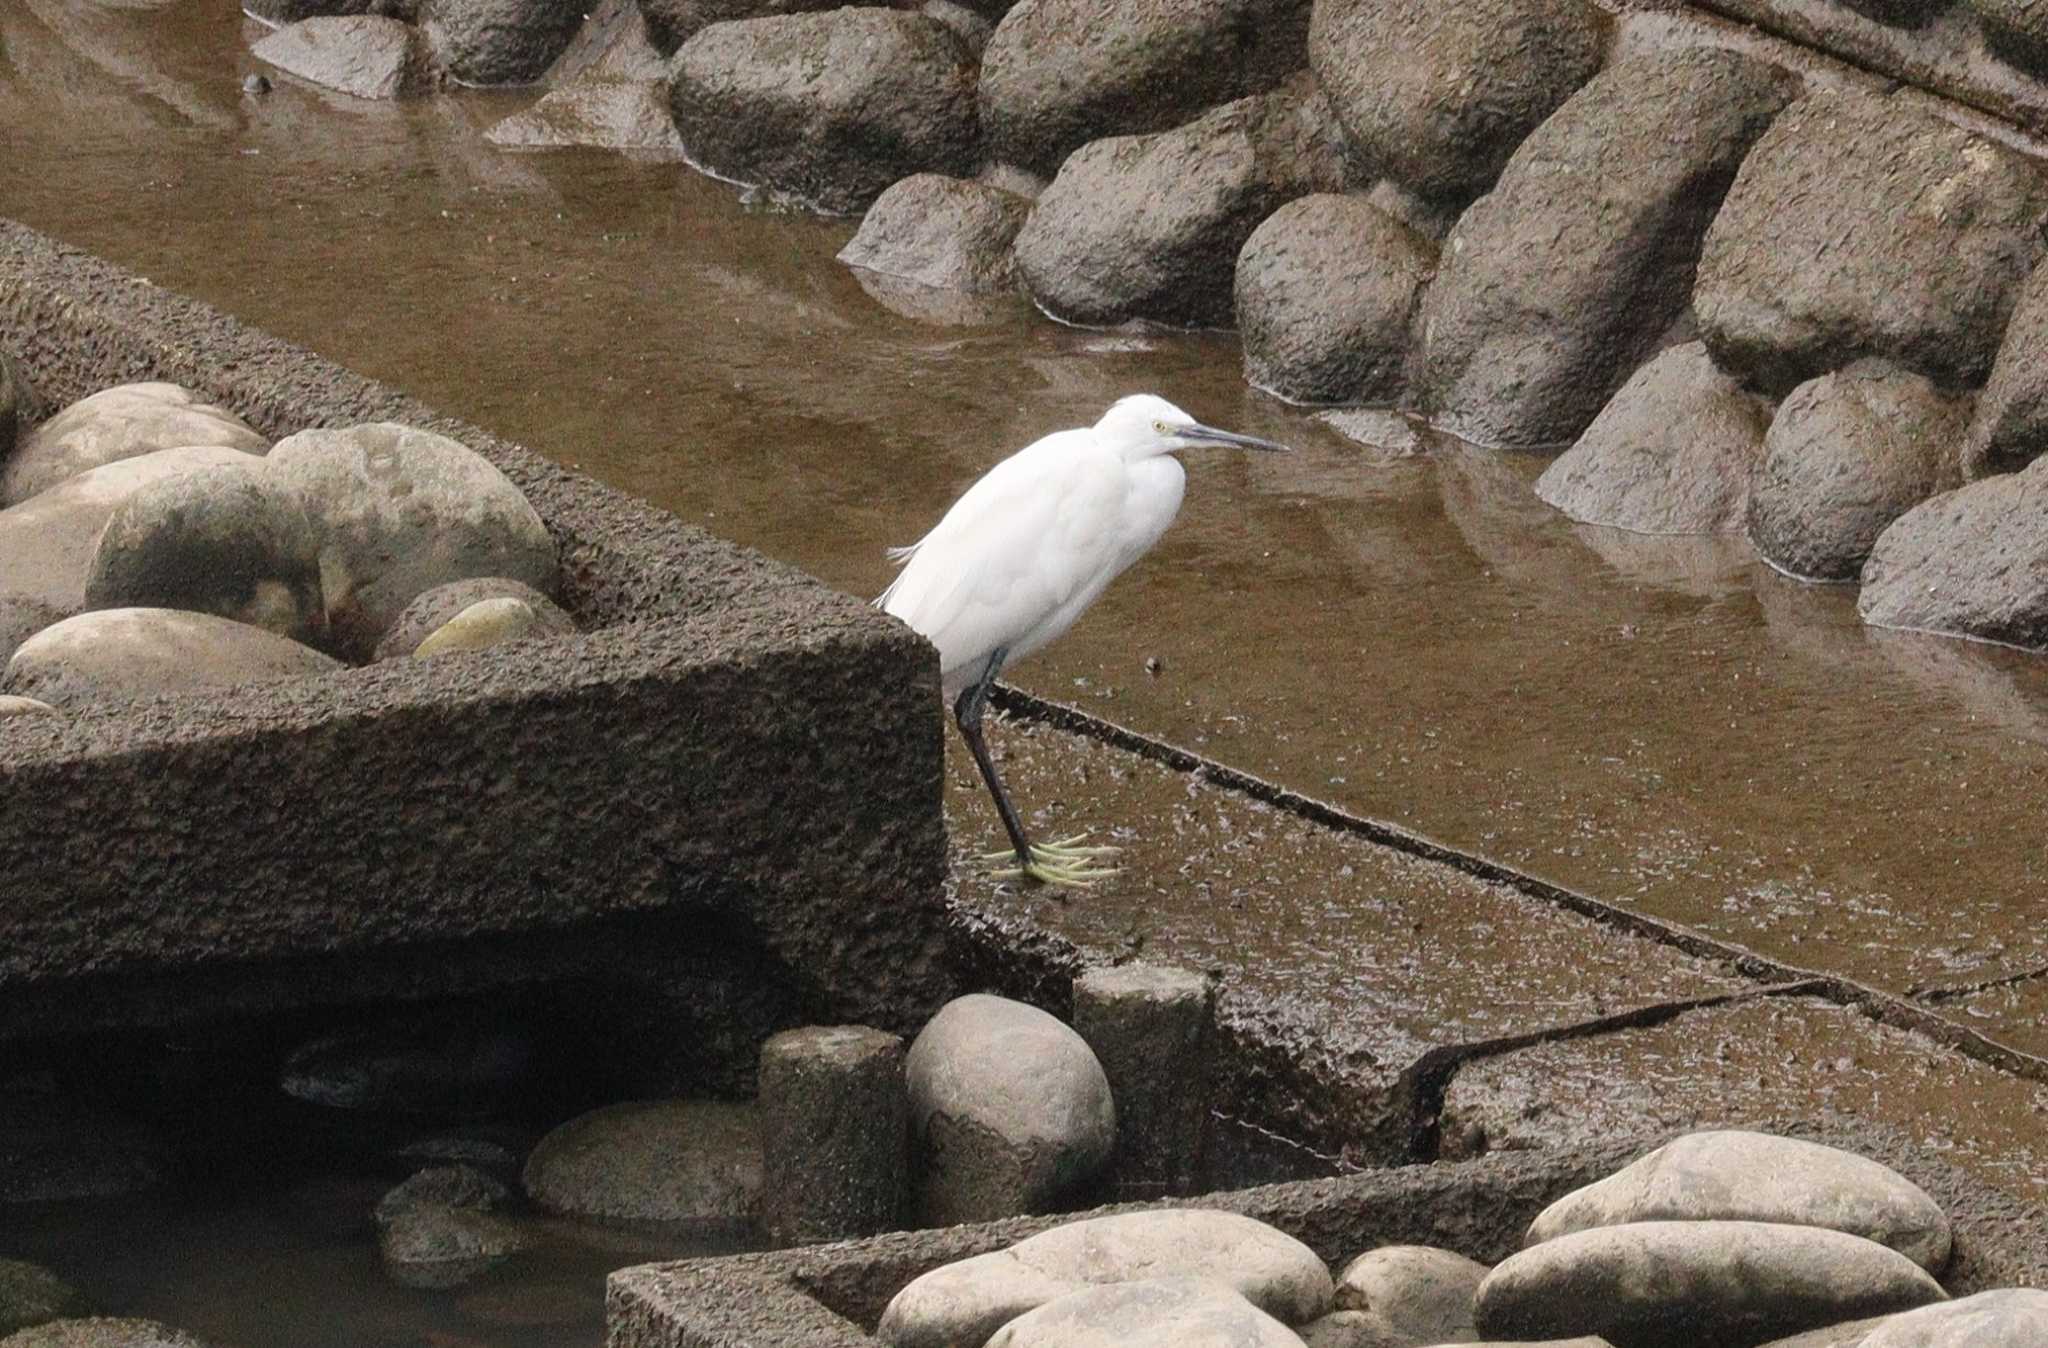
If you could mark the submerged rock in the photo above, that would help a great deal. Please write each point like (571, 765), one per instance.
(440, 1228)
(947, 233)
(499, 41)
(2008, 1317)
(1410, 1294)
(364, 55)
(118, 423)
(140, 652)
(1971, 562)
(696, 1162)
(31, 1295)
(830, 108)
(1153, 1313)
(2010, 428)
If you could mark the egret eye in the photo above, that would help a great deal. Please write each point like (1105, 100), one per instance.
(1162, 428)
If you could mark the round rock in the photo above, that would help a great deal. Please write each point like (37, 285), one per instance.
(1015, 1103)
(1411, 1294)
(434, 1246)
(1971, 562)
(362, 55)
(118, 423)
(400, 511)
(684, 1161)
(32, 1295)
(834, 1133)
(499, 41)
(1154, 1313)
(441, 1186)
(1846, 455)
(2009, 1317)
(1324, 293)
(435, 608)
(947, 233)
(102, 1332)
(139, 652)
(486, 623)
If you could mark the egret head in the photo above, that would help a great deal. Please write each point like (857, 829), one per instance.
(1145, 424)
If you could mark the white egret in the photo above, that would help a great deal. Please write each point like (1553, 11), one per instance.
(1025, 551)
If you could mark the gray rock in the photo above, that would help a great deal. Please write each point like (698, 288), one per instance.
(223, 540)
(1060, 73)
(1009, 1111)
(1153, 1030)
(55, 1149)
(947, 233)
(499, 41)
(1671, 453)
(682, 1161)
(140, 652)
(1438, 96)
(1324, 293)
(1846, 1334)
(400, 511)
(2010, 428)
(441, 1186)
(1154, 1313)
(280, 12)
(834, 1133)
(2008, 1317)
(1712, 1284)
(972, 28)
(435, 1246)
(1414, 1294)
(1970, 563)
(964, 1302)
(1847, 454)
(19, 408)
(2016, 30)
(486, 623)
(21, 615)
(11, 705)
(1565, 277)
(47, 542)
(1861, 227)
(364, 55)
(32, 1295)
(434, 609)
(599, 111)
(1151, 226)
(1737, 1175)
(671, 23)
(118, 423)
(102, 1332)
(419, 1063)
(613, 44)
(830, 108)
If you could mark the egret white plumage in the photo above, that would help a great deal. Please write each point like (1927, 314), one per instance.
(1025, 551)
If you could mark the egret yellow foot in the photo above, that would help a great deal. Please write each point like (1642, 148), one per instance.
(1065, 863)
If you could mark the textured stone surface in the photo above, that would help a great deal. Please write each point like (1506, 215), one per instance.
(21, 617)
(948, 233)
(596, 110)
(439, 1228)
(1057, 74)
(1971, 562)
(103, 1332)
(2016, 30)
(1153, 1313)
(124, 653)
(14, 705)
(830, 108)
(670, 23)
(118, 423)
(19, 409)
(433, 609)
(1410, 1294)
(1151, 226)
(499, 41)
(1153, 1029)
(1325, 290)
(695, 1162)
(1846, 455)
(1910, 241)
(31, 1295)
(835, 1133)
(2010, 427)
(1559, 282)
(365, 55)
(486, 623)
(2008, 1317)
(1438, 96)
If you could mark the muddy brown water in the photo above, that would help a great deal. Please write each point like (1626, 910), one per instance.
(1402, 630)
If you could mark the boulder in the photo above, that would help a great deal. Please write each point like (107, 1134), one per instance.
(613, 43)
(1712, 1284)
(32, 1295)
(1015, 1103)
(102, 1332)
(364, 55)
(1910, 240)
(439, 1228)
(1671, 453)
(830, 108)
(965, 1302)
(1057, 74)
(2010, 428)
(1969, 563)
(691, 1162)
(486, 623)
(118, 423)
(441, 1186)
(1410, 1294)
(2008, 1317)
(400, 511)
(1324, 293)
(947, 233)
(1438, 96)
(434, 609)
(1847, 454)
(140, 652)
(222, 540)
(47, 542)
(1151, 226)
(1565, 277)
(671, 23)
(599, 111)
(1154, 1313)
(499, 41)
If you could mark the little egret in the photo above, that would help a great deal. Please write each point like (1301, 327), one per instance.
(1025, 551)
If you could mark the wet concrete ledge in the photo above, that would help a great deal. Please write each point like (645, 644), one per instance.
(831, 1296)
(729, 744)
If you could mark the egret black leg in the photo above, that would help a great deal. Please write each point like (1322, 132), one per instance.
(967, 714)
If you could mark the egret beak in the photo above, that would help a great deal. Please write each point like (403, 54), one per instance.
(1209, 435)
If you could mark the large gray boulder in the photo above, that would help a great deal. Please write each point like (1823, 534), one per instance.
(1324, 293)
(1153, 1313)
(1015, 1103)
(1867, 227)
(1560, 281)
(1671, 453)
(1151, 226)
(47, 542)
(139, 652)
(2008, 1317)
(671, 23)
(947, 233)
(1738, 1175)
(1057, 74)
(1847, 454)
(690, 1162)
(1410, 1294)
(364, 55)
(966, 1301)
(118, 423)
(1438, 96)
(399, 511)
(499, 41)
(434, 609)
(830, 108)
(1971, 563)
(1714, 1284)
(2010, 428)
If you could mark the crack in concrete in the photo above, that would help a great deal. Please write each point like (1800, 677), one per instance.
(1937, 993)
